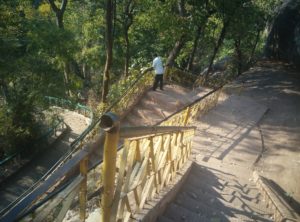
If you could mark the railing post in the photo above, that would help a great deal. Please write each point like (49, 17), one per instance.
(110, 124)
(83, 188)
(187, 116)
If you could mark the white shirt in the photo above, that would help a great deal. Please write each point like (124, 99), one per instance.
(158, 66)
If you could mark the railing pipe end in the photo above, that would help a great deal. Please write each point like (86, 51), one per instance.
(109, 122)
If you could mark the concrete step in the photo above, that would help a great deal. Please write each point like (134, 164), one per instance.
(185, 98)
(227, 200)
(216, 210)
(222, 183)
(149, 116)
(206, 211)
(235, 190)
(224, 168)
(163, 219)
(165, 101)
(275, 197)
(147, 103)
(246, 192)
(134, 120)
(178, 213)
(198, 93)
(177, 89)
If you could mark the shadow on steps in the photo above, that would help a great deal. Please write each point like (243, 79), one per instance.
(212, 195)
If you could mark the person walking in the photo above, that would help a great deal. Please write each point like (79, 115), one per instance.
(159, 72)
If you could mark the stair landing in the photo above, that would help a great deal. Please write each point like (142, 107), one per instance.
(157, 105)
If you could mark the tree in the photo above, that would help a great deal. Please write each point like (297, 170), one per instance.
(109, 48)
(201, 12)
(27, 75)
(127, 20)
(59, 12)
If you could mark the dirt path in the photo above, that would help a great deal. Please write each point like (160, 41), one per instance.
(279, 90)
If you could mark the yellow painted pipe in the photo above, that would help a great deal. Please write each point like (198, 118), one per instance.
(109, 122)
(108, 174)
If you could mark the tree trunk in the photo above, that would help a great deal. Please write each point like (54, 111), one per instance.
(175, 51)
(86, 72)
(59, 13)
(109, 51)
(126, 54)
(4, 90)
(195, 46)
(216, 49)
(59, 20)
(237, 44)
(254, 46)
(128, 20)
(66, 77)
(180, 43)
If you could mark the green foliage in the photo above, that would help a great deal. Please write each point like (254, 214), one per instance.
(35, 53)
(120, 87)
(19, 117)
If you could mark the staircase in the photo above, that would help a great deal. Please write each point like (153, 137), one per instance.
(157, 105)
(220, 185)
(215, 195)
(22, 180)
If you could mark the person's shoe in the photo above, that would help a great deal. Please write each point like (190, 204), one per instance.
(162, 89)
(154, 89)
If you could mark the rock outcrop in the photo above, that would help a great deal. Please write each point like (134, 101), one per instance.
(283, 41)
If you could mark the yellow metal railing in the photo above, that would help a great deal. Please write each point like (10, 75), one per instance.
(146, 165)
(149, 160)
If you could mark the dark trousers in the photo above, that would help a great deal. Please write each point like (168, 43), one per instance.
(158, 79)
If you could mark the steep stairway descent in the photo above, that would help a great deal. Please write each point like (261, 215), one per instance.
(23, 179)
(220, 186)
(157, 105)
(212, 194)
(154, 107)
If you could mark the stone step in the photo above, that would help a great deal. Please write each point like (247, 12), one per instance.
(228, 199)
(222, 183)
(184, 98)
(205, 210)
(228, 186)
(217, 210)
(177, 89)
(275, 197)
(147, 103)
(198, 93)
(163, 113)
(224, 168)
(149, 116)
(246, 192)
(163, 219)
(165, 101)
(178, 213)
(134, 120)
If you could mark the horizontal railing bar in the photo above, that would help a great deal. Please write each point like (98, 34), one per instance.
(56, 176)
(137, 131)
(74, 182)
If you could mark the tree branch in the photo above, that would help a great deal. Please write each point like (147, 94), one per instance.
(53, 6)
